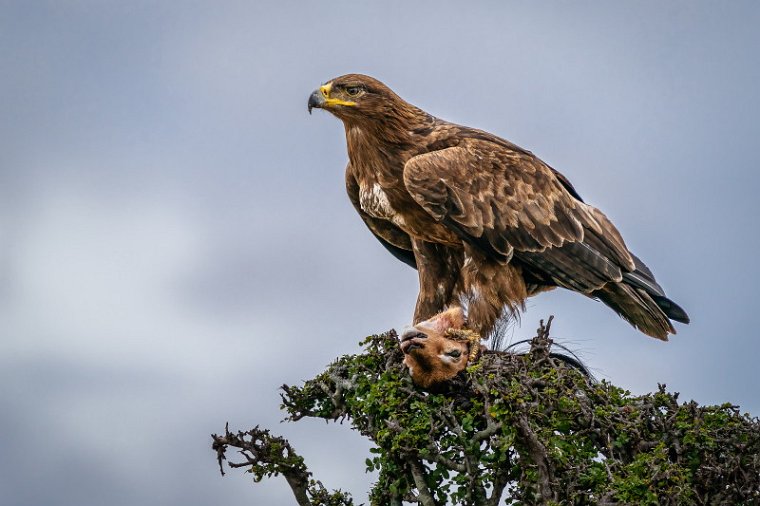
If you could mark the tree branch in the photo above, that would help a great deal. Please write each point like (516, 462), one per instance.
(532, 427)
(424, 496)
(268, 455)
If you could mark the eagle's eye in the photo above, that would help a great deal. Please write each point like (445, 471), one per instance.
(353, 90)
(454, 353)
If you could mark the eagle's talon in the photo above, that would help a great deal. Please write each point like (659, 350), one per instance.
(472, 339)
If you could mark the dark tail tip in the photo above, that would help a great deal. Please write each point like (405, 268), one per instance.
(671, 309)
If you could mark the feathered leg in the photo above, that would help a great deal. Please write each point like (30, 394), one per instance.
(491, 289)
(435, 265)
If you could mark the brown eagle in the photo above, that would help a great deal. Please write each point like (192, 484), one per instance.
(486, 223)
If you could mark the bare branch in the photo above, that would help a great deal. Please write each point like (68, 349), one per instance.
(537, 453)
(423, 492)
(268, 455)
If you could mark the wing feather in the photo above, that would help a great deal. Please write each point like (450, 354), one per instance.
(509, 203)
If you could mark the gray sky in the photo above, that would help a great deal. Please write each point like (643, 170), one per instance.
(175, 239)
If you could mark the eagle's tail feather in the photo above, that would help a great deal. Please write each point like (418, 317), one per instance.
(643, 278)
(638, 308)
(670, 308)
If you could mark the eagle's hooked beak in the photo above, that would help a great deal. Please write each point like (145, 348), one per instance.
(316, 99)
(320, 98)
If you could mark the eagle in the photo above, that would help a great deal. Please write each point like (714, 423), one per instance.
(486, 223)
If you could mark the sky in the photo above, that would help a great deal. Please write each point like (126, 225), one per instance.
(176, 242)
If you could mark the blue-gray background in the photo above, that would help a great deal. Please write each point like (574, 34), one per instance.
(175, 241)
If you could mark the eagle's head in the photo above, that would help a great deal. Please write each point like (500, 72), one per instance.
(355, 97)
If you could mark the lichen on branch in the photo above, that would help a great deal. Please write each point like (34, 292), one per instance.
(266, 456)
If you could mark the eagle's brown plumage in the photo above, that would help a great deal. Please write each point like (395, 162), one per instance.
(485, 222)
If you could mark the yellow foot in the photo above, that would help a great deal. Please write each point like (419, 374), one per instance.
(469, 336)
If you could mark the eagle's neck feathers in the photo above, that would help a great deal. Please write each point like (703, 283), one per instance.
(378, 150)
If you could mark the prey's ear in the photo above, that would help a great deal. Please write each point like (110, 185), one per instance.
(452, 318)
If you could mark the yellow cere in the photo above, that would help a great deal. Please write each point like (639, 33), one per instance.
(325, 90)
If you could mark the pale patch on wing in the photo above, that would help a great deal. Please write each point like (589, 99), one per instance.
(374, 201)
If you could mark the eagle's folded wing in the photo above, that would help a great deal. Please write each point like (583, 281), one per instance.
(510, 204)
